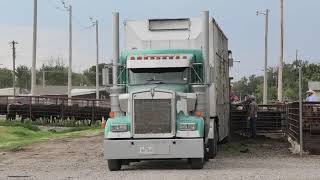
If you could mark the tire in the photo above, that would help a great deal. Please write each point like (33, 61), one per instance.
(196, 163)
(213, 144)
(114, 164)
(206, 153)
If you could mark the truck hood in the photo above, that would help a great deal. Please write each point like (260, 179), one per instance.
(171, 87)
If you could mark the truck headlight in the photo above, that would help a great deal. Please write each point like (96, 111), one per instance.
(187, 127)
(119, 128)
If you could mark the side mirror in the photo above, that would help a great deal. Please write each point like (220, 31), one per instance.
(230, 58)
(231, 61)
(107, 75)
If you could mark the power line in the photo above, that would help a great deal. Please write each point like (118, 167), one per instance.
(65, 9)
(56, 6)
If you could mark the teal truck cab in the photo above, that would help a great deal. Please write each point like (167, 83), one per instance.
(169, 99)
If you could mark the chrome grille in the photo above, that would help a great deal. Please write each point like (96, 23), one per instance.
(152, 116)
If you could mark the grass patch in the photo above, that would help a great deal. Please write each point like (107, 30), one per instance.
(27, 125)
(235, 147)
(16, 136)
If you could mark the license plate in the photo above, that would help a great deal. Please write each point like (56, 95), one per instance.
(145, 149)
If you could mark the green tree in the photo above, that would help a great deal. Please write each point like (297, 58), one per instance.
(55, 73)
(90, 75)
(254, 84)
(78, 79)
(23, 77)
(248, 86)
(5, 78)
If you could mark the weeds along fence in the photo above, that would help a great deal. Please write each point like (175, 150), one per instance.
(271, 119)
(53, 110)
(310, 125)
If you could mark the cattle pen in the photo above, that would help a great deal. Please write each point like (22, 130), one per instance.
(283, 119)
(53, 110)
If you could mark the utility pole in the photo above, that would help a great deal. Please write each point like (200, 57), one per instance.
(265, 79)
(43, 79)
(300, 107)
(13, 44)
(34, 47)
(70, 55)
(280, 71)
(69, 9)
(97, 63)
(300, 111)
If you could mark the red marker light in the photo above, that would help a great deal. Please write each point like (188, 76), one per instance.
(132, 58)
(145, 58)
(177, 57)
(164, 57)
(158, 57)
(139, 58)
(184, 57)
(170, 57)
(152, 57)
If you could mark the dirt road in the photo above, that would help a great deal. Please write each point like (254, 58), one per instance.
(82, 158)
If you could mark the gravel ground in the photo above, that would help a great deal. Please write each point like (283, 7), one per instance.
(82, 158)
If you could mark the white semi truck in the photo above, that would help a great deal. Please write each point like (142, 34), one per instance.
(170, 91)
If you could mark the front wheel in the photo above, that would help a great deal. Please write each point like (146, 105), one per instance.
(114, 164)
(196, 163)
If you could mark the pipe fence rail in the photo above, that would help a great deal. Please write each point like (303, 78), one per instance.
(310, 125)
(48, 110)
(282, 118)
(271, 119)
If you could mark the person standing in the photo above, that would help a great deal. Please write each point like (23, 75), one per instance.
(253, 115)
(312, 97)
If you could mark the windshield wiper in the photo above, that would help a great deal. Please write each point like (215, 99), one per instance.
(156, 81)
(152, 79)
(160, 82)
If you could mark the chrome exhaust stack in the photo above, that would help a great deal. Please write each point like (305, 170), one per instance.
(115, 90)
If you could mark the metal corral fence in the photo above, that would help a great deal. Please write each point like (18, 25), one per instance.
(271, 119)
(53, 109)
(310, 124)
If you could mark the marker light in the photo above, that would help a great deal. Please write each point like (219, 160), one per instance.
(119, 127)
(187, 127)
(198, 113)
(132, 58)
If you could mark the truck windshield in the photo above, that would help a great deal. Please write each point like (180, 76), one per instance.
(158, 75)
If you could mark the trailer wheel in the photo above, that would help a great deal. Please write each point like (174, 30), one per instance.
(215, 141)
(114, 164)
(196, 163)
(213, 144)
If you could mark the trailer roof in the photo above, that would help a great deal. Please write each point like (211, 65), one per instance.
(198, 58)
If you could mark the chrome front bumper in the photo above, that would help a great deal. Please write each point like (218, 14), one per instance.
(153, 148)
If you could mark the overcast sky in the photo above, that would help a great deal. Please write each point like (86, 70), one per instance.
(237, 18)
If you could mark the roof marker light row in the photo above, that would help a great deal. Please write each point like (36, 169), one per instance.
(158, 57)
